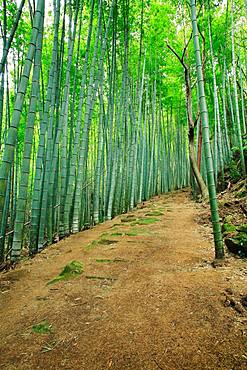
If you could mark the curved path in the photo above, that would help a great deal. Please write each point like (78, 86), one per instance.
(148, 298)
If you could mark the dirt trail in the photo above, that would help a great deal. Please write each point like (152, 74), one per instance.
(154, 301)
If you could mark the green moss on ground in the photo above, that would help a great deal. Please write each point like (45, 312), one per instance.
(128, 219)
(104, 234)
(70, 271)
(131, 233)
(42, 328)
(235, 237)
(92, 244)
(102, 241)
(145, 221)
(104, 260)
(126, 233)
(94, 277)
(139, 231)
(154, 213)
(228, 227)
(242, 228)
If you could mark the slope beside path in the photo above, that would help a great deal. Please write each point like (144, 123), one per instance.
(148, 298)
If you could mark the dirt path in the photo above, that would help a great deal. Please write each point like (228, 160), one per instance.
(148, 301)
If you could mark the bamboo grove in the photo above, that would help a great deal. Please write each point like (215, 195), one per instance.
(106, 103)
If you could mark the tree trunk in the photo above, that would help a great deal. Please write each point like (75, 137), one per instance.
(191, 135)
(219, 248)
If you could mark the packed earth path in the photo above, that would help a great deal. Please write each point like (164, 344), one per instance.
(148, 298)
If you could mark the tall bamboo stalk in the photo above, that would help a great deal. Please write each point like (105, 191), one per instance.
(219, 249)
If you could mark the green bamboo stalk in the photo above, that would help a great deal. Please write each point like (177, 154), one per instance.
(9, 149)
(45, 126)
(7, 45)
(77, 141)
(98, 167)
(240, 141)
(90, 103)
(242, 102)
(228, 149)
(219, 249)
(25, 169)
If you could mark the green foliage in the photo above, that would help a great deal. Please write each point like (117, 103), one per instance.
(125, 158)
(234, 171)
(234, 167)
(229, 228)
(242, 228)
(242, 237)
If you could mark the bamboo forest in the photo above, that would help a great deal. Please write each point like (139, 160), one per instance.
(123, 191)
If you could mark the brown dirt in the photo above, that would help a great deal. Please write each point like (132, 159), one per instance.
(160, 304)
(230, 204)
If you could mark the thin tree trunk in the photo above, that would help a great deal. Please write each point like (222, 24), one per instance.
(240, 141)
(9, 149)
(25, 170)
(219, 249)
(11, 36)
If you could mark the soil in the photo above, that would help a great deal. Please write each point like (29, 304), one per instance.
(232, 202)
(150, 300)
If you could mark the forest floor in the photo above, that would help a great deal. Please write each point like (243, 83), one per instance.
(148, 298)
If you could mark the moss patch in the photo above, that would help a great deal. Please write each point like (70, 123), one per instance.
(138, 231)
(128, 219)
(242, 228)
(118, 233)
(145, 221)
(70, 271)
(115, 225)
(92, 244)
(103, 260)
(131, 233)
(102, 241)
(228, 228)
(126, 233)
(154, 213)
(103, 235)
(94, 277)
(42, 328)
(242, 194)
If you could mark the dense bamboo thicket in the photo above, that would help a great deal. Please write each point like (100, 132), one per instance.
(106, 103)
